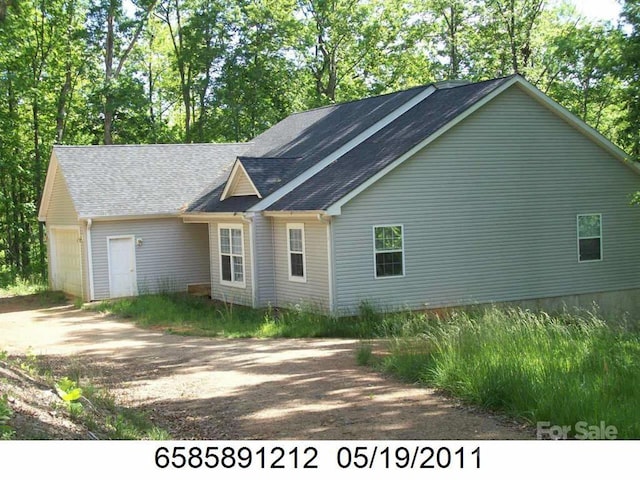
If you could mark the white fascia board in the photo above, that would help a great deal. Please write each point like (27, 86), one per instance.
(227, 186)
(111, 218)
(350, 145)
(293, 213)
(237, 166)
(48, 188)
(206, 217)
(336, 208)
(575, 122)
(563, 113)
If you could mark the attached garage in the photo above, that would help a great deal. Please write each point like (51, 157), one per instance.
(65, 257)
(112, 215)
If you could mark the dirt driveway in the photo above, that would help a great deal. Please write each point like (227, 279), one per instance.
(201, 388)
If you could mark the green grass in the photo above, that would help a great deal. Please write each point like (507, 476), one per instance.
(186, 315)
(534, 367)
(21, 287)
(85, 404)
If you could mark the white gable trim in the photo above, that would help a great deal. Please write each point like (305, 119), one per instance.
(350, 145)
(232, 180)
(47, 191)
(335, 208)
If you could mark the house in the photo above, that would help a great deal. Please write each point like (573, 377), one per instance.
(440, 195)
(113, 221)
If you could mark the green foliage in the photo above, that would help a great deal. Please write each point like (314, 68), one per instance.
(6, 432)
(215, 70)
(187, 315)
(364, 354)
(70, 392)
(536, 367)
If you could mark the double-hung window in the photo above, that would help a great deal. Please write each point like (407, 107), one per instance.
(295, 251)
(589, 237)
(388, 250)
(231, 255)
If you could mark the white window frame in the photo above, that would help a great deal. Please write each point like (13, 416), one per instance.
(578, 237)
(232, 282)
(295, 278)
(375, 251)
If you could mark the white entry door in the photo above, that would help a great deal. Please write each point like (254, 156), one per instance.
(122, 267)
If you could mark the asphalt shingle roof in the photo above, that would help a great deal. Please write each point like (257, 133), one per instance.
(120, 180)
(384, 147)
(301, 140)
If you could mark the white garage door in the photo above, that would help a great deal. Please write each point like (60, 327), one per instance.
(65, 258)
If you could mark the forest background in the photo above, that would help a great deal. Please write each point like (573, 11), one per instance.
(187, 71)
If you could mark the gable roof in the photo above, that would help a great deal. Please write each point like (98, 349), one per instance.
(312, 137)
(134, 180)
(340, 175)
(378, 151)
(302, 140)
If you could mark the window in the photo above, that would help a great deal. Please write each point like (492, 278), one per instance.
(589, 237)
(388, 251)
(231, 255)
(295, 248)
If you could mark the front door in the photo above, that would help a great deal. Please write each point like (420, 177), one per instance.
(122, 267)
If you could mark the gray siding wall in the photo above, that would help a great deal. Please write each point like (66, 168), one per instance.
(228, 293)
(172, 255)
(489, 213)
(265, 258)
(315, 292)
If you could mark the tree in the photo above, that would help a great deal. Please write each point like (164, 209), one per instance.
(115, 35)
(630, 132)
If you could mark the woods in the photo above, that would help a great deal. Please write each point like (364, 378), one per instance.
(193, 71)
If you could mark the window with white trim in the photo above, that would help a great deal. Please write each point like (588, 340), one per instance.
(295, 251)
(388, 250)
(231, 255)
(589, 237)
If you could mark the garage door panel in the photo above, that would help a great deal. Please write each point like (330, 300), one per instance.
(67, 263)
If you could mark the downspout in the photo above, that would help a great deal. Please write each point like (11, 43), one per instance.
(326, 219)
(248, 218)
(90, 260)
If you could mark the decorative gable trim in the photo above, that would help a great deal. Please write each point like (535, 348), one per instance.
(52, 170)
(336, 154)
(239, 177)
(336, 208)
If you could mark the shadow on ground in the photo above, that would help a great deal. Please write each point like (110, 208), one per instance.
(208, 388)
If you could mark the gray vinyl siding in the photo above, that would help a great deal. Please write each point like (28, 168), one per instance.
(489, 213)
(315, 292)
(228, 293)
(264, 265)
(61, 210)
(172, 254)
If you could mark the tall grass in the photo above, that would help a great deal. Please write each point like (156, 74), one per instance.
(536, 367)
(188, 315)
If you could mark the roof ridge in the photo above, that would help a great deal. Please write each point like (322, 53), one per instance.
(146, 145)
(355, 100)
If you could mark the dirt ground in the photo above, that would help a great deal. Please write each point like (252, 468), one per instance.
(203, 388)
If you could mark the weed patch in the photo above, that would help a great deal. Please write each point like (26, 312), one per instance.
(535, 367)
(187, 315)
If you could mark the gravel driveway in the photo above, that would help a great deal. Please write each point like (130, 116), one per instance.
(203, 388)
